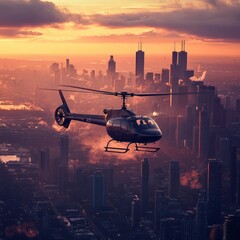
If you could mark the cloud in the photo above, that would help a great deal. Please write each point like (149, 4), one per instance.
(148, 36)
(34, 13)
(14, 32)
(220, 21)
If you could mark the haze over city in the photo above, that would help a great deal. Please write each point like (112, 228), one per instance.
(57, 181)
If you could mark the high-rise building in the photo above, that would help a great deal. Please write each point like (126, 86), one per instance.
(64, 149)
(238, 105)
(139, 73)
(189, 226)
(170, 229)
(144, 187)
(83, 184)
(160, 210)
(195, 139)
(204, 133)
(67, 65)
(44, 165)
(189, 123)
(174, 77)
(231, 227)
(149, 77)
(214, 190)
(215, 232)
(63, 166)
(201, 216)
(225, 152)
(165, 75)
(111, 71)
(180, 131)
(55, 73)
(233, 174)
(98, 190)
(135, 213)
(182, 61)
(174, 179)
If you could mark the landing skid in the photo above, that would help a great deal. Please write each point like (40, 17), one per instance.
(125, 150)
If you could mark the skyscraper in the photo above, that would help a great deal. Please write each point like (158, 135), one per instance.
(201, 216)
(135, 213)
(144, 187)
(111, 71)
(98, 196)
(189, 226)
(160, 210)
(44, 165)
(180, 131)
(174, 179)
(214, 189)
(63, 166)
(233, 174)
(182, 61)
(204, 133)
(231, 227)
(165, 75)
(139, 73)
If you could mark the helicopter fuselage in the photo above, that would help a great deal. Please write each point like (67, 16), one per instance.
(138, 129)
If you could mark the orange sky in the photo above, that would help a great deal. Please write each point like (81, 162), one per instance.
(210, 27)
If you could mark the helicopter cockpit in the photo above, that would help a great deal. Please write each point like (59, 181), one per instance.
(141, 123)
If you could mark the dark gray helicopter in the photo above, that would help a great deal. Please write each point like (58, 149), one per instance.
(122, 125)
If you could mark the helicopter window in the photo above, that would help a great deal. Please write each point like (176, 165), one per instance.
(144, 123)
(125, 125)
(117, 123)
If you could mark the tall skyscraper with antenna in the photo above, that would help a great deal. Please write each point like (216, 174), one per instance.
(174, 77)
(182, 61)
(139, 65)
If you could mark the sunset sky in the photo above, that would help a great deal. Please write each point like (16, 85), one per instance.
(114, 27)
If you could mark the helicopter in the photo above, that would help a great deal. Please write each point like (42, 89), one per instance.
(122, 125)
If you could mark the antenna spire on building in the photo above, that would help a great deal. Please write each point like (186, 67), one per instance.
(140, 43)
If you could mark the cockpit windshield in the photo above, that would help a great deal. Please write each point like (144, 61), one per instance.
(144, 123)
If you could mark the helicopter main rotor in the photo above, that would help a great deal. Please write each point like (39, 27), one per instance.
(125, 95)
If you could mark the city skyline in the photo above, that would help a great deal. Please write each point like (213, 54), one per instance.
(63, 27)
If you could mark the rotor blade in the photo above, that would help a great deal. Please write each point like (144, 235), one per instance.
(163, 94)
(64, 90)
(92, 90)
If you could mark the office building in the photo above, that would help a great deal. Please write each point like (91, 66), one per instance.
(160, 210)
(238, 105)
(174, 179)
(204, 134)
(170, 229)
(165, 75)
(188, 226)
(180, 131)
(135, 212)
(182, 61)
(201, 216)
(44, 165)
(233, 174)
(139, 72)
(111, 71)
(98, 190)
(63, 165)
(231, 227)
(144, 187)
(225, 152)
(214, 190)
